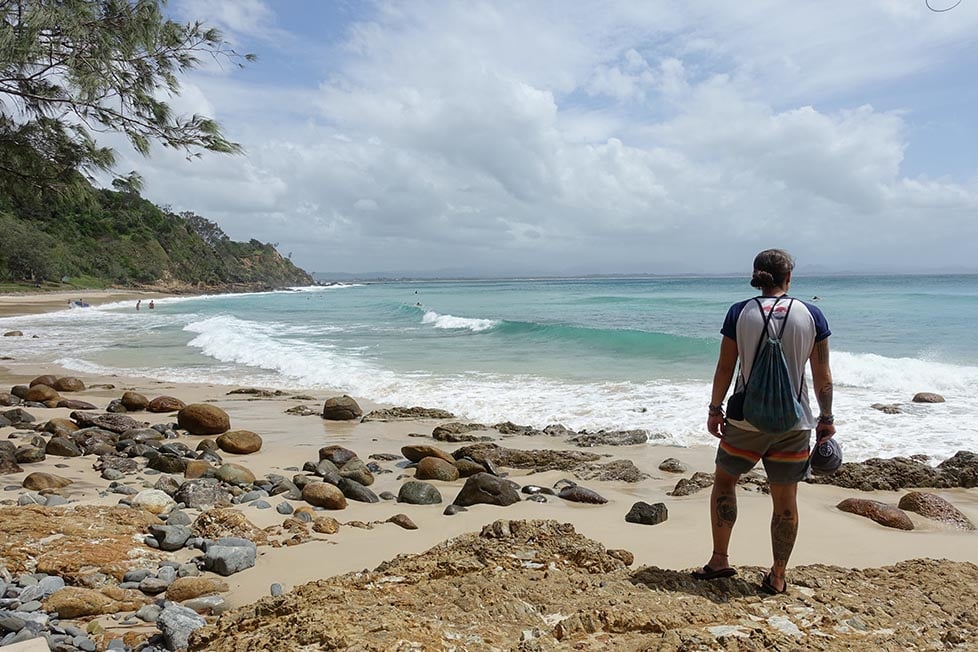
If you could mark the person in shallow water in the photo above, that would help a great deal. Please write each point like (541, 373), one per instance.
(785, 456)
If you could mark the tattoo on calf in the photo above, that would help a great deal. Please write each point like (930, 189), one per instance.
(726, 510)
(784, 530)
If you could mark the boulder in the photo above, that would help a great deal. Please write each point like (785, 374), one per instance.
(46, 379)
(20, 391)
(39, 481)
(414, 492)
(224, 523)
(165, 463)
(203, 419)
(177, 623)
(230, 555)
(13, 334)
(78, 602)
(240, 442)
(403, 521)
(927, 397)
(29, 455)
(936, 508)
(117, 423)
(170, 537)
(646, 514)
(62, 447)
(325, 525)
(578, 494)
(418, 453)
(456, 431)
(134, 401)
(483, 488)
(336, 454)
(197, 469)
(41, 393)
(75, 404)
(435, 468)
(672, 465)
(187, 588)
(323, 494)
(341, 408)
(154, 501)
(18, 416)
(234, 474)
(8, 458)
(885, 515)
(356, 470)
(165, 404)
(959, 470)
(467, 467)
(69, 384)
(356, 491)
(8, 399)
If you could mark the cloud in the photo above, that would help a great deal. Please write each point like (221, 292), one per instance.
(546, 138)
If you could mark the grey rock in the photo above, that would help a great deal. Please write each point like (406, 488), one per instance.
(672, 465)
(356, 491)
(171, 537)
(177, 623)
(230, 555)
(261, 504)
(55, 500)
(136, 575)
(213, 604)
(44, 588)
(276, 590)
(284, 508)
(33, 605)
(415, 492)
(202, 493)
(154, 585)
(178, 517)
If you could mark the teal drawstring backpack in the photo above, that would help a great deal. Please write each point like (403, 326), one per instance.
(770, 403)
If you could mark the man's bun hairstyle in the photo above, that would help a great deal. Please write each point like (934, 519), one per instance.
(771, 268)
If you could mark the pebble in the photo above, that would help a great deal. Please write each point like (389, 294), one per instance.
(276, 590)
(33, 605)
(284, 508)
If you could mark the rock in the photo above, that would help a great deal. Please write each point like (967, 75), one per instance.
(355, 491)
(177, 623)
(337, 455)
(240, 442)
(579, 494)
(40, 481)
(8, 459)
(170, 537)
(60, 427)
(149, 613)
(203, 419)
(117, 423)
(403, 521)
(356, 470)
(77, 602)
(187, 588)
(202, 493)
(165, 404)
(927, 397)
(341, 408)
(235, 474)
(164, 463)
(323, 494)
(672, 465)
(611, 438)
(44, 588)
(418, 453)
(886, 515)
(889, 474)
(689, 486)
(207, 604)
(230, 555)
(13, 334)
(74, 404)
(134, 401)
(18, 417)
(960, 470)
(467, 467)
(616, 471)
(887, 409)
(414, 492)
(41, 394)
(62, 447)
(412, 413)
(20, 391)
(69, 384)
(225, 523)
(325, 525)
(483, 488)
(198, 469)
(936, 508)
(435, 468)
(29, 455)
(153, 501)
(46, 379)
(537, 460)
(8, 399)
(456, 431)
(646, 514)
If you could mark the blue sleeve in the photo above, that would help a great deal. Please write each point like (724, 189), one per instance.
(821, 324)
(729, 327)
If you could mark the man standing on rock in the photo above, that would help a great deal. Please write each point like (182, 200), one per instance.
(804, 335)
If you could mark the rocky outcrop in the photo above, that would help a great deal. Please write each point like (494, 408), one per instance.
(892, 474)
(495, 590)
(537, 460)
(402, 413)
(611, 438)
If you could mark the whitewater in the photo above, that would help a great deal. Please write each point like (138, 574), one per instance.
(588, 353)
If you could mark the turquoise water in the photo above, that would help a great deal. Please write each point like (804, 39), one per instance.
(590, 353)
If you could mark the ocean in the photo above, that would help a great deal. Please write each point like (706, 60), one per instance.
(591, 353)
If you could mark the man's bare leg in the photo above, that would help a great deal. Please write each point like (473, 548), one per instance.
(784, 529)
(723, 515)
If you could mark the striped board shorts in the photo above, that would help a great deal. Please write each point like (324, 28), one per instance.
(785, 456)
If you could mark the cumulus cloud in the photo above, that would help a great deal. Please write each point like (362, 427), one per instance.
(551, 138)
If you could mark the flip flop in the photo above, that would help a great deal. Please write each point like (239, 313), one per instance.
(710, 574)
(768, 587)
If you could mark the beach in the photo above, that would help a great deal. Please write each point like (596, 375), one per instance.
(365, 538)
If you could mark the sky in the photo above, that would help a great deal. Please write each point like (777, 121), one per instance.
(565, 138)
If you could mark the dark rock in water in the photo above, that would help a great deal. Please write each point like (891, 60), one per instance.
(203, 419)
(418, 453)
(8, 458)
(927, 397)
(337, 455)
(887, 409)
(611, 438)
(302, 411)
(537, 498)
(398, 413)
(403, 520)
(646, 514)
(63, 447)
(960, 470)
(415, 492)
(701, 480)
(454, 509)
(356, 491)
(341, 408)
(672, 465)
(13, 334)
(483, 488)
(886, 515)
(579, 494)
(203, 494)
(118, 423)
(535, 489)
(936, 508)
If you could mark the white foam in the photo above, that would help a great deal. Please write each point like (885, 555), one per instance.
(453, 322)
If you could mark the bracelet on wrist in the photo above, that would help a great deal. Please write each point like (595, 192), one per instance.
(716, 409)
(827, 419)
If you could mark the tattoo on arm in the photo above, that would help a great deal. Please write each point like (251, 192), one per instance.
(825, 398)
(784, 531)
(726, 507)
(822, 351)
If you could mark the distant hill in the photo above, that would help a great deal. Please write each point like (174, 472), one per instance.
(90, 237)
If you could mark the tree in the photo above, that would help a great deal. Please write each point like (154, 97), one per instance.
(73, 68)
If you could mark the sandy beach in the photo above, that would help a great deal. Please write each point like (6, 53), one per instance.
(28, 303)
(827, 535)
